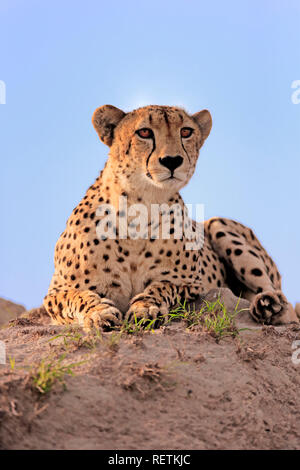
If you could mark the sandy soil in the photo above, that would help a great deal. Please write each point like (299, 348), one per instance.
(9, 310)
(169, 389)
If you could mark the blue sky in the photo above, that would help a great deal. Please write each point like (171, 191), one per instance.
(62, 59)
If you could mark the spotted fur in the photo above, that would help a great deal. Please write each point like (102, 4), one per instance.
(99, 281)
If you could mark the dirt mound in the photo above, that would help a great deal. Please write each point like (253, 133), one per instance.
(172, 388)
(9, 311)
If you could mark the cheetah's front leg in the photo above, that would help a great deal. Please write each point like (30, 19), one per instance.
(155, 302)
(84, 307)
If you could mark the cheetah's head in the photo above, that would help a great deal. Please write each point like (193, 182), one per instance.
(155, 145)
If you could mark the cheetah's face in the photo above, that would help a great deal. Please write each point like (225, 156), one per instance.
(157, 144)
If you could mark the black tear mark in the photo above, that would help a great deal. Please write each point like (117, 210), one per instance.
(185, 151)
(128, 148)
(153, 148)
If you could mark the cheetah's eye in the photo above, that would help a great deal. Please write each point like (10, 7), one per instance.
(145, 133)
(186, 132)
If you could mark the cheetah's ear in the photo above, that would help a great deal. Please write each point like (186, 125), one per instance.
(204, 121)
(104, 120)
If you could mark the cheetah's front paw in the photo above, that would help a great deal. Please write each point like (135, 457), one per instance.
(148, 310)
(104, 316)
(270, 307)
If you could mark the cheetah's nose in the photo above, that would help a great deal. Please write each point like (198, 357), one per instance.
(171, 162)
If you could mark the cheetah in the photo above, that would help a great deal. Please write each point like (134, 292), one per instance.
(100, 280)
